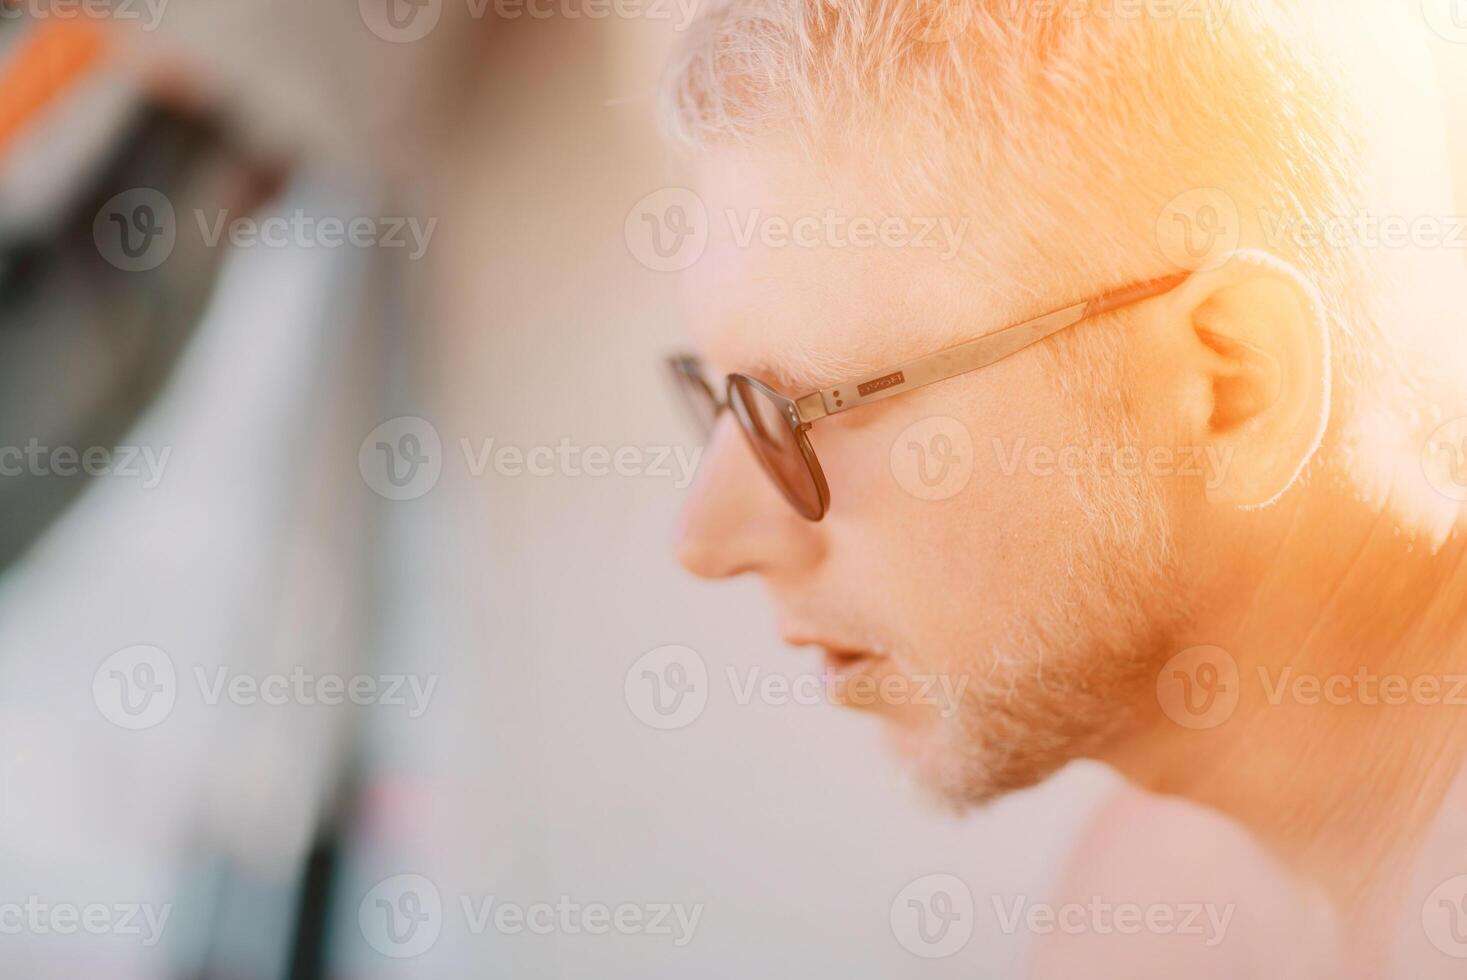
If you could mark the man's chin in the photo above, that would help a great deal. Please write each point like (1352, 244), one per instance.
(948, 775)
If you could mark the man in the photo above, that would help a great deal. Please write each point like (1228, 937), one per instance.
(1202, 524)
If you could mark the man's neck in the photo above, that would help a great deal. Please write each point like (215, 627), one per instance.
(1350, 644)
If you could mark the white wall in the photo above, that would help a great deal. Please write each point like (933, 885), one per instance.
(789, 823)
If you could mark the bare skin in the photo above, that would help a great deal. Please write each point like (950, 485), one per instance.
(1061, 598)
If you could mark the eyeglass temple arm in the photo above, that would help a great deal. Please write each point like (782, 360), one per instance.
(974, 354)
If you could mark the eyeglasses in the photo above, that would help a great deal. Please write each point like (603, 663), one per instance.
(777, 425)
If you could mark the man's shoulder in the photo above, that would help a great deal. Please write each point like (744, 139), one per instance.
(1157, 886)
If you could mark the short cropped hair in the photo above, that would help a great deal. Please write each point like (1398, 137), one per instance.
(1075, 122)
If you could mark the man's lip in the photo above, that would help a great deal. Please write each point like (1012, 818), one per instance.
(839, 658)
(841, 662)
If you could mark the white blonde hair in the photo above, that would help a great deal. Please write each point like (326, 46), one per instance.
(1073, 123)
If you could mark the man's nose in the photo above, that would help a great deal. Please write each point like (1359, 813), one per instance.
(736, 519)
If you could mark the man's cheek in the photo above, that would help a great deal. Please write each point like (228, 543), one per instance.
(933, 459)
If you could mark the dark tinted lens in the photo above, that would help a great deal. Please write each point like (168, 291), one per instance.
(776, 444)
(701, 402)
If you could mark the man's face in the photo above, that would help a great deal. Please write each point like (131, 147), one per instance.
(970, 549)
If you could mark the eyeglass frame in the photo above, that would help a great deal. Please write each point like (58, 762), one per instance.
(801, 413)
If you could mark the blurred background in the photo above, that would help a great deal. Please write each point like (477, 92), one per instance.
(339, 631)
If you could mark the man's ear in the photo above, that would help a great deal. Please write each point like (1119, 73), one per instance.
(1255, 339)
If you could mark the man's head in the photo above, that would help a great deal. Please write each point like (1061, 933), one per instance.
(884, 179)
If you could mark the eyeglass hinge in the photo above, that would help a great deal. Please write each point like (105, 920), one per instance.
(810, 408)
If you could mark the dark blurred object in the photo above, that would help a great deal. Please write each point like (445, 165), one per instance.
(85, 345)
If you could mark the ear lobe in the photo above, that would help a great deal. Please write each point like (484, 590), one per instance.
(1263, 353)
